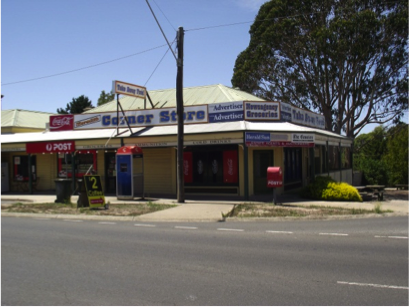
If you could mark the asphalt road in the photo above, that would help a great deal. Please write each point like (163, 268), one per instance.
(83, 262)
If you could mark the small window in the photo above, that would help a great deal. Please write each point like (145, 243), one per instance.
(21, 167)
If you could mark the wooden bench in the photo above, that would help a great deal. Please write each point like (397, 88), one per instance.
(376, 190)
(401, 186)
(369, 191)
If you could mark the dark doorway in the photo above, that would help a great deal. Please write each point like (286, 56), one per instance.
(110, 173)
(292, 168)
(262, 159)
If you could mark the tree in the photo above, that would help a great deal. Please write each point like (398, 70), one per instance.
(369, 150)
(396, 159)
(105, 97)
(76, 106)
(345, 59)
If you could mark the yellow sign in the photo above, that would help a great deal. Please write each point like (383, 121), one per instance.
(95, 194)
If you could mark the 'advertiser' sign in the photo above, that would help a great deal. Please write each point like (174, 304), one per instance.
(226, 112)
(61, 122)
(51, 147)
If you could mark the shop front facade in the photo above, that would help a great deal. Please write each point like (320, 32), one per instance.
(226, 153)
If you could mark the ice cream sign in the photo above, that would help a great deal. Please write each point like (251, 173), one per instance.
(128, 89)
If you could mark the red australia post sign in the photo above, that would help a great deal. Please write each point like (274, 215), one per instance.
(61, 122)
(50, 147)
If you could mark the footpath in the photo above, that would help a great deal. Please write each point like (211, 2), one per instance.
(197, 210)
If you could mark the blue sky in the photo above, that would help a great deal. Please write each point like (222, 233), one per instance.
(40, 38)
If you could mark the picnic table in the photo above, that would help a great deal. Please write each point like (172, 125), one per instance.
(373, 190)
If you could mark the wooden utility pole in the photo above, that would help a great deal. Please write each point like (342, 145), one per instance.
(179, 110)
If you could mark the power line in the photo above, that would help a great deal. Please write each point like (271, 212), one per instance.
(83, 68)
(163, 33)
(164, 15)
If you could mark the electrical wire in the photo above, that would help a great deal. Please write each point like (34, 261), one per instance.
(164, 15)
(163, 33)
(83, 68)
(160, 61)
(167, 50)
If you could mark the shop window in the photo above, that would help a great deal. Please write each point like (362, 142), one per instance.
(324, 164)
(346, 157)
(292, 165)
(84, 162)
(208, 166)
(333, 158)
(21, 168)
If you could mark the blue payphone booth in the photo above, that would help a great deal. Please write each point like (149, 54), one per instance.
(128, 182)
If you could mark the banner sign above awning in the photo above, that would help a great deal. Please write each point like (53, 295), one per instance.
(264, 111)
(140, 118)
(51, 147)
(128, 89)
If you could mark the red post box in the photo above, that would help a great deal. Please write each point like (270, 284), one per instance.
(274, 177)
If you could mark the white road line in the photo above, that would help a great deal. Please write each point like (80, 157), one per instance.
(371, 285)
(144, 225)
(41, 218)
(277, 231)
(185, 227)
(392, 237)
(74, 221)
(333, 234)
(107, 223)
(229, 229)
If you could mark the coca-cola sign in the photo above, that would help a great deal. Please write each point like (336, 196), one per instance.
(230, 168)
(61, 122)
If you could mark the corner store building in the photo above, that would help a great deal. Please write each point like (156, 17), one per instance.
(230, 139)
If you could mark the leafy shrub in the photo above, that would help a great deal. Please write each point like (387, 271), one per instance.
(325, 188)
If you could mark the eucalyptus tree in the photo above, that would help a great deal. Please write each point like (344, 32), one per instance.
(346, 59)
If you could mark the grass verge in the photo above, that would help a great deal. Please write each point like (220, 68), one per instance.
(70, 208)
(251, 210)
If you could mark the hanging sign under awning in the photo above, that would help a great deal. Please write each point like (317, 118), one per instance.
(51, 147)
(128, 89)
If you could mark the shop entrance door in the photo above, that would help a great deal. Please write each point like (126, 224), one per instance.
(262, 159)
(292, 168)
(110, 173)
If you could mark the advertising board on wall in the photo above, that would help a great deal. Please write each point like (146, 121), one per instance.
(51, 147)
(61, 122)
(212, 113)
(140, 118)
(266, 139)
(261, 110)
(226, 112)
(299, 116)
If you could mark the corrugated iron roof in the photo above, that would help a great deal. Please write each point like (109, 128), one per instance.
(198, 95)
(64, 135)
(24, 118)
